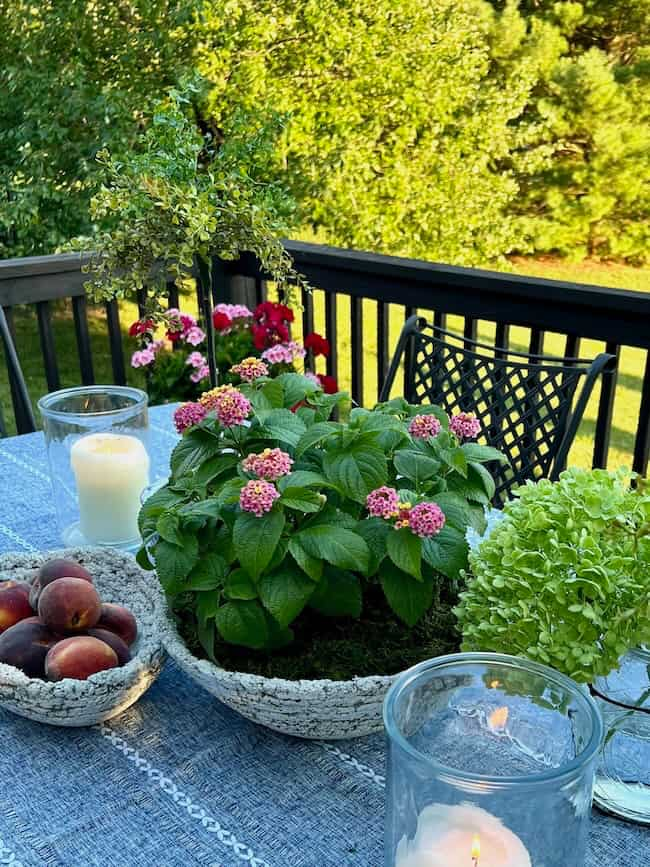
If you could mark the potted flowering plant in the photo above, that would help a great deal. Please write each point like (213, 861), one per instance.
(305, 561)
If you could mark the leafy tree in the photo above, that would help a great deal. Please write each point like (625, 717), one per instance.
(75, 77)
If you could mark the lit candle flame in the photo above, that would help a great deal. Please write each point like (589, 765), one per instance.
(498, 719)
(476, 850)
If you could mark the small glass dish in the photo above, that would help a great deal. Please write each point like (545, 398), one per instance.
(491, 762)
(622, 785)
(97, 446)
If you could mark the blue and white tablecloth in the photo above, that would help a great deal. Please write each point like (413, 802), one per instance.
(179, 780)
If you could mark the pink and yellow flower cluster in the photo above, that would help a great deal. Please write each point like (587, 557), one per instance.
(271, 464)
(424, 519)
(228, 404)
(250, 369)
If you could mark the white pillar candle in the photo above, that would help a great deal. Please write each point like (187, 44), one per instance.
(461, 836)
(111, 471)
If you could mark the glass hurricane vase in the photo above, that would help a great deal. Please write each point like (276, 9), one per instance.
(96, 439)
(491, 763)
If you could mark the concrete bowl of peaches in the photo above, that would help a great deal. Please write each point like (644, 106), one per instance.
(78, 635)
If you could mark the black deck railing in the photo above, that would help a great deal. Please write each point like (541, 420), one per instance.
(614, 317)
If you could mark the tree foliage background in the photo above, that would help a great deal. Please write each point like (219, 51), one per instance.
(457, 130)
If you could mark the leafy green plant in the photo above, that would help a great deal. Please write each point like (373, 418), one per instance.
(269, 512)
(565, 578)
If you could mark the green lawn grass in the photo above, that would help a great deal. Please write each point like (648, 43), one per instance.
(631, 366)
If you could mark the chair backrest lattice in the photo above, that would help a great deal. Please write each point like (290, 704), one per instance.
(529, 406)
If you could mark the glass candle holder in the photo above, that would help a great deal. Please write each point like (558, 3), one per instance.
(622, 784)
(490, 764)
(96, 439)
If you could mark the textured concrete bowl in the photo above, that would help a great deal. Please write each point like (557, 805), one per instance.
(318, 709)
(118, 579)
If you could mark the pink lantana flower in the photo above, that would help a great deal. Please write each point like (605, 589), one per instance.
(230, 406)
(250, 369)
(271, 464)
(187, 415)
(258, 496)
(465, 425)
(383, 502)
(426, 519)
(424, 426)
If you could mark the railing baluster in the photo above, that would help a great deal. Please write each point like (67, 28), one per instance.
(83, 340)
(536, 345)
(606, 409)
(260, 290)
(356, 354)
(382, 344)
(18, 388)
(142, 299)
(470, 329)
(43, 314)
(572, 346)
(307, 313)
(439, 319)
(115, 342)
(330, 333)
(642, 441)
(408, 358)
(501, 340)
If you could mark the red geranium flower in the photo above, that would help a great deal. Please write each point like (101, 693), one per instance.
(174, 336)
(272, 313)
(328, 383)
(265, 336)
(142, 326)
(318, 345)
(221, 321)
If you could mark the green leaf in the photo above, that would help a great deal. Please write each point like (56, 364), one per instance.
(193, 451)
(312, 566)
(285, 593)
(174, 564)
(296, 388)
(143, 561)
(209, 508)
(356, 470)
(154, 506)
(255, 539)
(316, 434)
(405, 550)
(239, 585)
(303, 479)
(457, 511)
(215, 467)
(301, 499)
(409, 599)
(338, 594)
(167, 526)
(415, 466)
(472, 488)
(458, 461)
(282, 425)
(208, 574)
(269, 396)
(228, 494)
(207, 605)
(479, 453)
(243, 622)
(336, 545)
(205, 632)
(447, 552)
(485, 477)
(375, 532)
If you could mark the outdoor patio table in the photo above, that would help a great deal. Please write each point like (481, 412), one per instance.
(179, 779)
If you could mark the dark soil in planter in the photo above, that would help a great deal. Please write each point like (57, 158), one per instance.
(343, 648)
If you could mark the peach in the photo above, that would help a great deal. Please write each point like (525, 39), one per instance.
(52, 570)
(69, 605)
(25, 646)
(14, 606)
(119, 620)
(120, 647)
(78, 658)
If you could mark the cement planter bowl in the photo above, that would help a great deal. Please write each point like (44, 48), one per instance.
(317, 709)
(118, 579)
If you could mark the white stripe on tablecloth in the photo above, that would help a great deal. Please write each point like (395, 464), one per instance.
(24, 465)
(241, 850)
(350, 761)
(7, 856)
(11, 534)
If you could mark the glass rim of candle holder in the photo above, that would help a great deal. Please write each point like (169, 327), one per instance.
(47, 405)
(641, 653)
(449, 774)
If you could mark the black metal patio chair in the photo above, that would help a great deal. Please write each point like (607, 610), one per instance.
(529, 406)
(24, 413)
